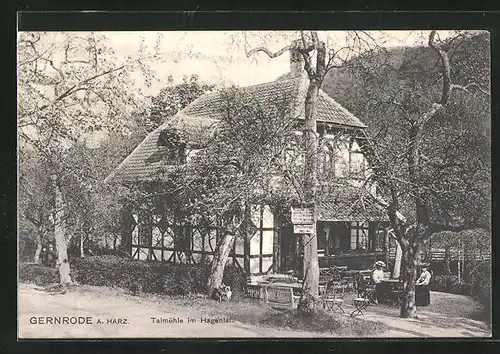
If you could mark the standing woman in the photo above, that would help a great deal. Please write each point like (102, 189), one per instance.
(377, 278)
(422, 294)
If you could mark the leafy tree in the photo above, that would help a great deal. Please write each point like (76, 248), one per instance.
(318, 57)
(35, 202)
(69, 85)
(174, 97)
(113, 150)
(427, 110)
(236, 169)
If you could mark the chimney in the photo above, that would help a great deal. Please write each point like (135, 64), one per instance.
(296, 60)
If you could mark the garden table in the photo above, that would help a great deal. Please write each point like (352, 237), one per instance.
(390, 290)
(391, 281)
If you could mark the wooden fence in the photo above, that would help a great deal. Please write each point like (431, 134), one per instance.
(438, 254)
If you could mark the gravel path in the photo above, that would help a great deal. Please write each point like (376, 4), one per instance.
(106, 308)
(34, 302)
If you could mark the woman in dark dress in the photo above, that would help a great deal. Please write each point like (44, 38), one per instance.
(50, 257)
(422, 294)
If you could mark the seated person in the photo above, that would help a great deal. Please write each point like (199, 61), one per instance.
(378, 272)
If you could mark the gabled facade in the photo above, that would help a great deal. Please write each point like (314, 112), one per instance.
(350, 225)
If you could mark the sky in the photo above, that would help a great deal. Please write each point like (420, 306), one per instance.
(218, 57)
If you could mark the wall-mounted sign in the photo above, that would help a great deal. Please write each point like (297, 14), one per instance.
(303, 229)
(302, 216)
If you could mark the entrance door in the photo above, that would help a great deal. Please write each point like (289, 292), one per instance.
(288, 249)
(339, 240)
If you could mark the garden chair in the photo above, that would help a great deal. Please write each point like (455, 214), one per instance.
(366, 288)
(329, 274)
(350, 282)
(361, 304)
(334, 296)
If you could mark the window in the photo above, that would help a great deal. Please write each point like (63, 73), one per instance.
(342, 158)
(145, 229)
(360, 240)
(183, 237)
(357, 165)
(326, 162)
(175, 148)
(377, 235)
(341, 166)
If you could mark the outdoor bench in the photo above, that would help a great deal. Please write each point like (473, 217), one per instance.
(255, 291)
(274, 295)
(280, 297)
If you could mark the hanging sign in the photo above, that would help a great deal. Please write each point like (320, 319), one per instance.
(303, 229)
(302, 216)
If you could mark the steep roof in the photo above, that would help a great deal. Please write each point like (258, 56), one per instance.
(142, 164)
(349, 203)
(211, 105)
(198, 121)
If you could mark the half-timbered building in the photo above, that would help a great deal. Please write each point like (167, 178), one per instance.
(350, 226)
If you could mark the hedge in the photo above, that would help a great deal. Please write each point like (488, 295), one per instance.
(476, 282)
(447, 284)
(135, 275)
(38, 274)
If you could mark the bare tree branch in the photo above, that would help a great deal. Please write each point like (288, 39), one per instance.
(433, 110)
(73, 89)
(267, 51)
(37, 56)
(444, 68)
(467, 88)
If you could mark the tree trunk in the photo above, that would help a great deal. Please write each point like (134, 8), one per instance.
(414, 238)
(81, 245)
(447, 267)
(459, 271)
(311, 281)
(310, 284)
(59, 234)
(387, 247)
(397, 262)
(219, 262)
(127, 226)
(38, 250)
(410, 261)
(310, 241)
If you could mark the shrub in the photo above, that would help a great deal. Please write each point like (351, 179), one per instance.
(235, 277)
(134, 275)
(476, 282)
(150, 276)
(38, 274)
(448, 284)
